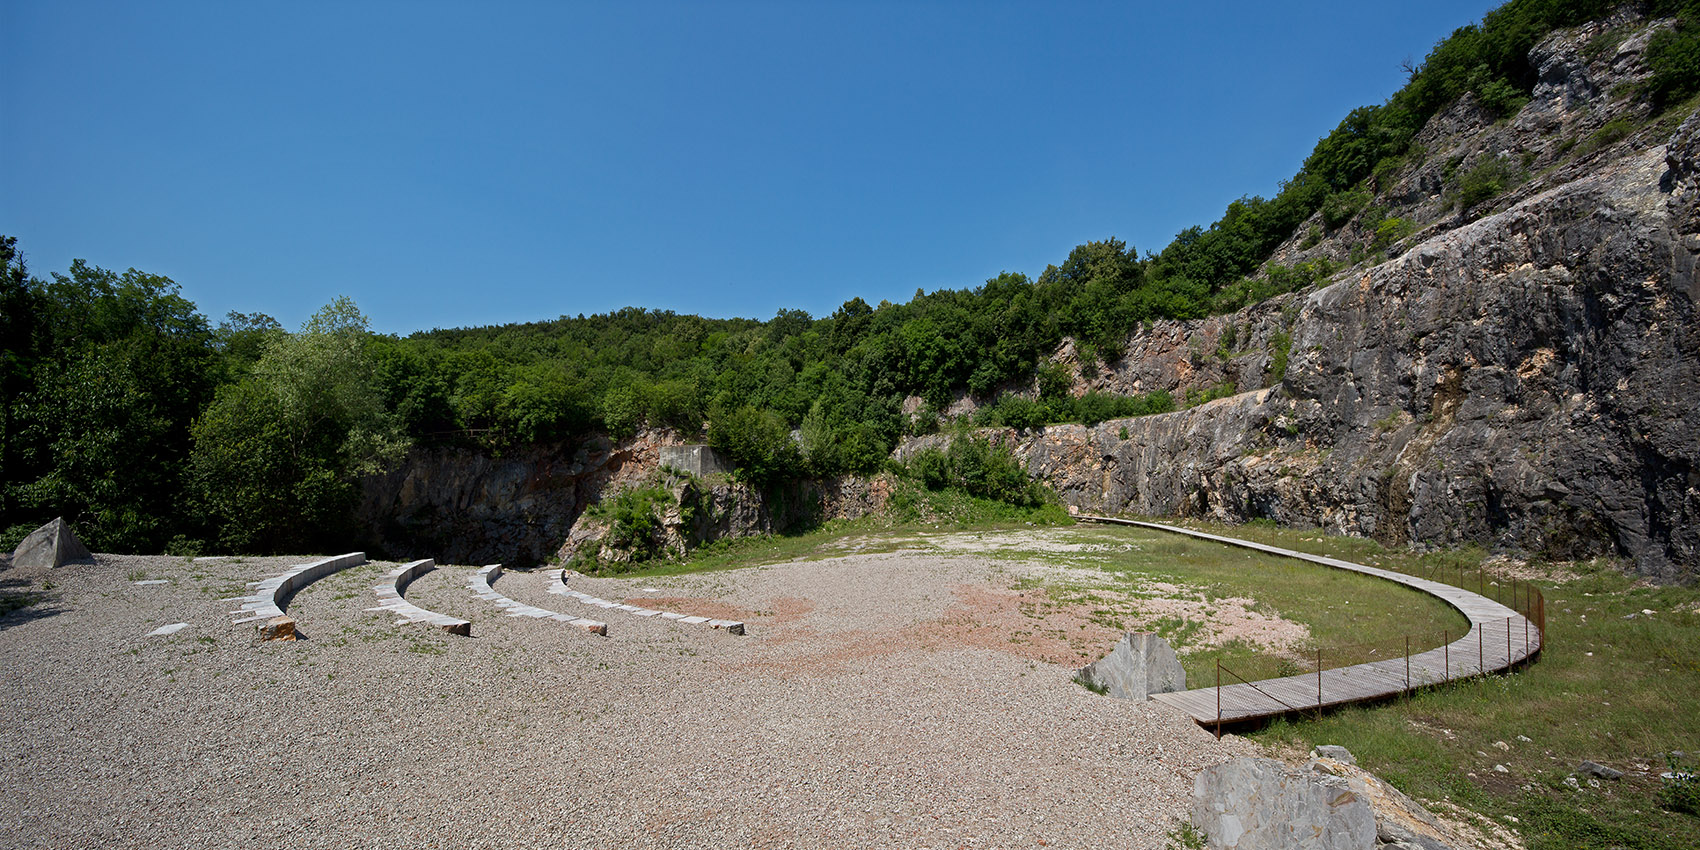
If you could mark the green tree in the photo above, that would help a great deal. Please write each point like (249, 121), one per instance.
(104, 372)
(758, 444)
(278, 455)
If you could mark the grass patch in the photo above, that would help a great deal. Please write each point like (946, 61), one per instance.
(1087, 682)
(1609, 687)
(1351, 617)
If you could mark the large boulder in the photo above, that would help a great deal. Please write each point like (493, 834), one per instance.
(52, 545)
(1138, 666)
(1264, 804)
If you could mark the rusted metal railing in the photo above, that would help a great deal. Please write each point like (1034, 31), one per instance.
(1520, 596)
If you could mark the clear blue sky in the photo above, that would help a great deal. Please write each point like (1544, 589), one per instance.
(455, 164)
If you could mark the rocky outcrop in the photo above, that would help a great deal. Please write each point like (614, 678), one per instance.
(526, 505)
(1520, 382)
(476, 506)
(697, 511)
(1263, 804)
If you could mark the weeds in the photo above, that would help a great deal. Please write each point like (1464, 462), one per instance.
(1185, 836)
(1681, 791)
(10, 602)
(1091, 684)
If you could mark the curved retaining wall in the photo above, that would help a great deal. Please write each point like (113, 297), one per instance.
(271, 595)
(392, 599)
(1499, 638)
(559, 586)
(480, 585)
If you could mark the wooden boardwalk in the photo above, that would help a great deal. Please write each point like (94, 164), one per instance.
(1499, 638)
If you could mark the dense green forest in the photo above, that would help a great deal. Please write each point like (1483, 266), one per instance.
(133, 415)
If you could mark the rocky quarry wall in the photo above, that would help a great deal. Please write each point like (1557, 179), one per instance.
(526, 505)
(1526, 381)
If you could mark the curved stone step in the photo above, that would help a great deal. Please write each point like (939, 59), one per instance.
(271, 595)
(391, 597)
(480, 585)
(558, 585)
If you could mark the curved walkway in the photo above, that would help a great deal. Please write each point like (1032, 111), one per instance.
(1499, 638)
(272, 594)
(558, 585)
(391, 594)
(480, 583)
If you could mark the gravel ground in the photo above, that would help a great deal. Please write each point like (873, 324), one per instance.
(894, 700)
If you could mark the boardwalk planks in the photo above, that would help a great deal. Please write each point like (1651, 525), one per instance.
(1499, 638)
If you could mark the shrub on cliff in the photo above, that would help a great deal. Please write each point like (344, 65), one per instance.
(974, 466)
(636, 522)
(757, 442)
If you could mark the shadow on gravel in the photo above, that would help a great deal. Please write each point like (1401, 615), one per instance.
(19, 604)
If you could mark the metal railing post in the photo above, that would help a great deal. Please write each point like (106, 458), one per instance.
(1407, 662)
(1218, 699)
(1447, 653)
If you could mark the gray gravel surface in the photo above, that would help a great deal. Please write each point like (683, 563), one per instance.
(854, 714)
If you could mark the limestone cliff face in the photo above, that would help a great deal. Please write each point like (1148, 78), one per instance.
(526, 506)
(700, 511)
(472, 506)
(1528, 381)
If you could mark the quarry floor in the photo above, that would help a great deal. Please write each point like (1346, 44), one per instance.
(899, 699)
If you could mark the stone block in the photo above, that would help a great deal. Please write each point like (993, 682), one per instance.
(278, 628)
(1262, 804)
(1138, 666)
(698, 460)
(52, 545)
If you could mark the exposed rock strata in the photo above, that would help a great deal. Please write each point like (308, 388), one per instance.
(1523, 382)
(1263, 804)
(468, 506)
(526, 506)
(700, 511)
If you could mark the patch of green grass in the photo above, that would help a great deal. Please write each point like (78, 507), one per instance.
(1681, 791)
(1185, 836)
(1489, 178)
(1607, 688)
(1611, 132)
(1087, 682)
(1351, 617)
